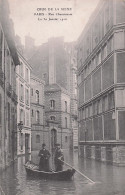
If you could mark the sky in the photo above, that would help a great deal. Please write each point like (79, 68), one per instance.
(25, 18)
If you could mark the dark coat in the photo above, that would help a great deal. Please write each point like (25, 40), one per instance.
(44, 160)
(58, 162)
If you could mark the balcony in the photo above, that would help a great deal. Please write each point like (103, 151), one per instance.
(9, 89)
(1, 78)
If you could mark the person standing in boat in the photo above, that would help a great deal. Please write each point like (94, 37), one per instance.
(44, 159)
(59, 157)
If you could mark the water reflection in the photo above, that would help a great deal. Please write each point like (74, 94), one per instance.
(109, 179)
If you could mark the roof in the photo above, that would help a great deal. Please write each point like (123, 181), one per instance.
(54, 88)
(34, 77)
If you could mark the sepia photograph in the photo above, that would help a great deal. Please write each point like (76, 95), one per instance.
(62, 97)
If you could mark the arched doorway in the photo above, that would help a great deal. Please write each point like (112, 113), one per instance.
(53, 139)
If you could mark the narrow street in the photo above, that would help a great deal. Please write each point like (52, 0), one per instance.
(109, 180)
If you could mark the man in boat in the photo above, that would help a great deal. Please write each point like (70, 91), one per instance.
(59, 157)
(44, 159)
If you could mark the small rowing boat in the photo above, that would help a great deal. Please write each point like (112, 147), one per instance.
(33, 171)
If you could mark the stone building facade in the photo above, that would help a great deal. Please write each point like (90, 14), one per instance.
(23, 106)
(57, 112)
(101, 84)
(8, 98)
(37, 113)
(72, 56)
(49, 63)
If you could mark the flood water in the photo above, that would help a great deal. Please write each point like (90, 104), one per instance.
(109, 180)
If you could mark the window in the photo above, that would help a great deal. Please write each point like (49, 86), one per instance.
(104, 52)
(27, 96)
(37, 116)
(90, 110)
(21, 69)
(37, 96)
(65, 106)
(22, 115)
(105, 103)
(66, 138)
(99, 106)
(65, 122)
(111, 101)
(89, 68)
(37, 138)
(32, 92)
(44, 76)
(27, 75)
(21, 92)
(86, 112)
(83, 113)
(95, 108)
(93, 63)
(32, 113)
(110, 45)
(53, 118)
(27, 119)
(52, 104)
(98, 58)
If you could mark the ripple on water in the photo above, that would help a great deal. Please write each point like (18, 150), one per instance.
(110, 180)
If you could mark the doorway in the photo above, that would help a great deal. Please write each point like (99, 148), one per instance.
(53, 139)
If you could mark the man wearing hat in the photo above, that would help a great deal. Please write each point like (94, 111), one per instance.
(59, 157)
(44, 159)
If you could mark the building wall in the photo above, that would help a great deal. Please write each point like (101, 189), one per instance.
(23, 107)
(61, 112)
(56, 111)
(8, 102)
(50, 62)
(37, 106)
(65, 99)
(72, 76)
(40, 62)
(100, 77)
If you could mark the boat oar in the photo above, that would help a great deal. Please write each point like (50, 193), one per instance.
(77, 171)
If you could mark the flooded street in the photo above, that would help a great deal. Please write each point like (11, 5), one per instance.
(109, 180)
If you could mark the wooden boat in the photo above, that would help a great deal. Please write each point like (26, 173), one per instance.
(33, 171)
